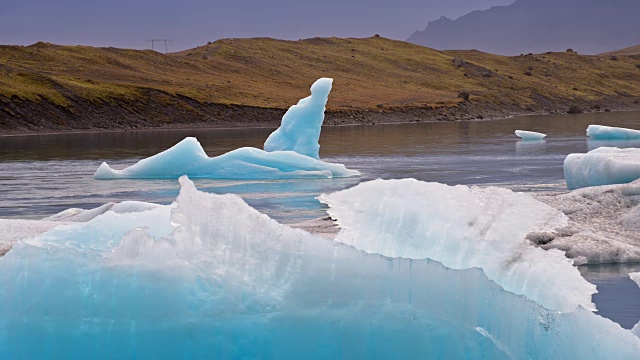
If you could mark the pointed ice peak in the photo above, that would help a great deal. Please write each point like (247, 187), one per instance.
(301, 125)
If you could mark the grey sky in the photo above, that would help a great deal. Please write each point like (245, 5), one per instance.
(190, 23)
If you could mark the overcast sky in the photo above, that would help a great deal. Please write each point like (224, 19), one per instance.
(189, 23)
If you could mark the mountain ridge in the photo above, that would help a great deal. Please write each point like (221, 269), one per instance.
(527, 26)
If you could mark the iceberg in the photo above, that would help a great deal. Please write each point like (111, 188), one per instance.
(603, 224)
(602, 166)
(530, 135)
(210, 277)
(462, 228)
(301, 125)
(291, 151)
(601, 132)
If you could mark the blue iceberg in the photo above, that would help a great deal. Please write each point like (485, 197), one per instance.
(602, 166)
(300, 128)
(210, 277)
(291, 151)
(530, 135)
(601, 132)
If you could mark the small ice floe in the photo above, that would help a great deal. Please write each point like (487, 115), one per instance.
(530, 135)
(602, 166)
(601, 132)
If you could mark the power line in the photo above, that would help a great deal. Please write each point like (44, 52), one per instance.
(153, 41)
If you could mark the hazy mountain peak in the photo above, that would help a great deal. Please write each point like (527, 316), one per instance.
(587, 26)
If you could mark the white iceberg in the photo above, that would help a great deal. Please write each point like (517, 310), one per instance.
(530, 135)
(211, 277)
(601, 132)
(602, 166)
(290, 152)
(603, 224)
(462, 228)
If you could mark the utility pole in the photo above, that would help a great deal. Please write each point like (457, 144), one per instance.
(153, 41)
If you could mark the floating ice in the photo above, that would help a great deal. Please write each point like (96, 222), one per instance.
(530, 135)
(213, 278)
(188, 158)
(603, 224)
(301, 125)
(462, 228)
(81, 215)
(291, 152)
(602, 132)
(602, 166)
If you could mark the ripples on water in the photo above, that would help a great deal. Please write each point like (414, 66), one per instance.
(43, 174)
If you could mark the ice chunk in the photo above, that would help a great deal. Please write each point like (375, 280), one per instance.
(462, 228)
(603, 224)
(602, 166)
(81, 215)
(530, 135)
(290, 152)
(188, 158)
(216, 279)
(602, 132)
(14, 230)
(301, 125)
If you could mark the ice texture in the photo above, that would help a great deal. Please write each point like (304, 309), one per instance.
(462, 228)
(602, 166)
(603, 224)
(530, 135)
(211, 277)
(289, 152)
(601, 132)
(188, 158)
(301, 125)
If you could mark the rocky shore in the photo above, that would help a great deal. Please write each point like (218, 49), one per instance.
(24, 117)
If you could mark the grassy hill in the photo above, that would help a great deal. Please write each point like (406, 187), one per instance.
(225, 82)
(632, 50)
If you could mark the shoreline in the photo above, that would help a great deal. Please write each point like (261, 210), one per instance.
(332, 119)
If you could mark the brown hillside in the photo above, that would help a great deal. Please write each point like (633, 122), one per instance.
(372, 73)
(633, 50)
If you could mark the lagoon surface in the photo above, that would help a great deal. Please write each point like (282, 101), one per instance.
(41, 175)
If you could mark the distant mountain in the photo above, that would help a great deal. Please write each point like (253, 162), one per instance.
(587, 26)
(632, 50)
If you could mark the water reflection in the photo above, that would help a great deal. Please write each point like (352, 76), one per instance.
(618, 297)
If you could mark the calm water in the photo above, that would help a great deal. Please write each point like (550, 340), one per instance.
(41, 175)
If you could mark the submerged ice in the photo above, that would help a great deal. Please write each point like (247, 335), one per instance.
(602, 166)
(601, 132)
(291, 151)
(530, 135)
(211, 277)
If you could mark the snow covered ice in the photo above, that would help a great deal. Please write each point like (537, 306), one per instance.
(530, 135)
(603, 227)
(291, 151)
(462, 228)
(602, 166)
(601, 132)
(210, 277)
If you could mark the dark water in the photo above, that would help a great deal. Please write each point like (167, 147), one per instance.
(41, 175)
